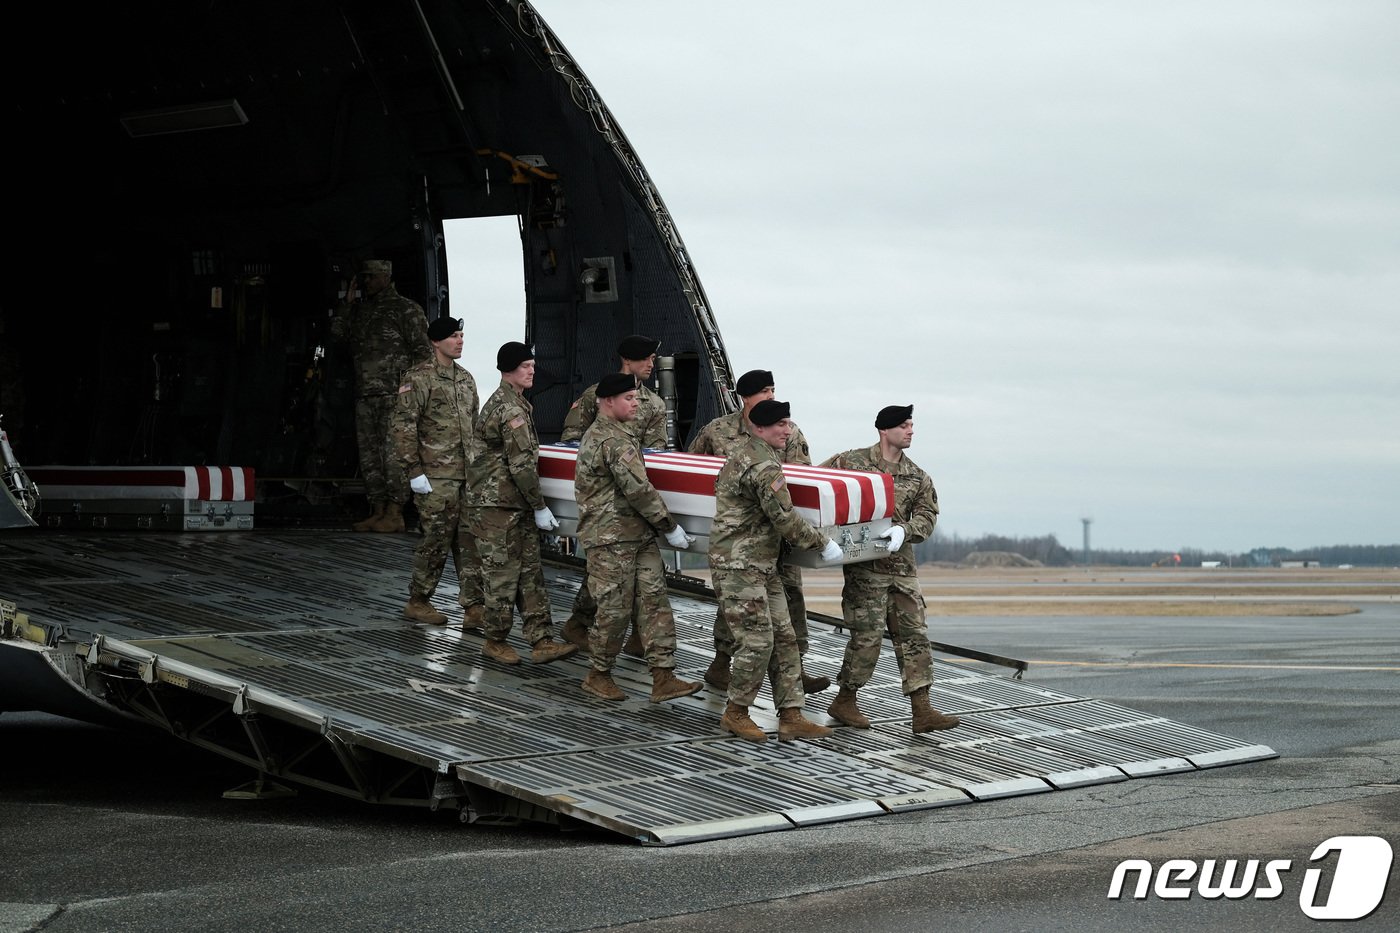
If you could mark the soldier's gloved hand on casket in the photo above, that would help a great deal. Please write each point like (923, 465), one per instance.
(895, 536)
(545, 520)
(832, 551)
(678, 539)
(420, 485)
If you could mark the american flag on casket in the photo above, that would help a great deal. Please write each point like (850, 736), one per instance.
(849, 506)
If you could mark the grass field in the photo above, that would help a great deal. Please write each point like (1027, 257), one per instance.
(1122, 591)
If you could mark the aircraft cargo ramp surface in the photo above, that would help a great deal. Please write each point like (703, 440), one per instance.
(286, 650)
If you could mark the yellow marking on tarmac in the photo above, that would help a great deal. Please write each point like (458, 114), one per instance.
(1247, 667)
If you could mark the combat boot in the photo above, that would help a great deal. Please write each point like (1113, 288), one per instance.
(844, 709)
(367, 523)
(736, 720)
(793, 725)
(634, 644)
(600, 684)
(420, 610)
(391, 521)
(665, 685)
(814, 684)
(717, 674)
(575, 632)
(547, 649)
(472, 619)
(926, 718)
(498, 650)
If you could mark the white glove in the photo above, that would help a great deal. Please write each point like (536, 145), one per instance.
(895, 536)
(832, 551)
(420, 485)
(545, 520)
(678, 539)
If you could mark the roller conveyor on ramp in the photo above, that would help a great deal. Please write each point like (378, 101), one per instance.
(285, 650)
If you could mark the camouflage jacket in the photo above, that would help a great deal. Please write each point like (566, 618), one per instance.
(754, 513)
(616, 501)
(389, 334)
(915, 505)
(506, 474)
(434, 423)
(726, 433)
(648, 428)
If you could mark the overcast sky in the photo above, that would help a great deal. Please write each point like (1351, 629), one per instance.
(1138, 262)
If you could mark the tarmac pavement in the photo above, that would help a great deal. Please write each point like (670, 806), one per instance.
(108, 830)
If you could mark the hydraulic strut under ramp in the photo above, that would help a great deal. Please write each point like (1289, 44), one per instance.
(318, 681)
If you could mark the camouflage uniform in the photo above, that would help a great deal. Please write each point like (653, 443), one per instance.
(433, 433)
(505, 492)
(884, 594)
(753, 517)
(620, 514)
(648, 428)
(719, 438)
(649, 431)
(389, 334)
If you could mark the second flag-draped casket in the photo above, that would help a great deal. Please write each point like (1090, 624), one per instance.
(850, 507)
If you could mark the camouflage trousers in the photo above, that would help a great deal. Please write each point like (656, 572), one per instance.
(379, 468)
(755, 608)
(511, 575)
(875, 603)
(725, 640)
(625, 579)
(440, 513)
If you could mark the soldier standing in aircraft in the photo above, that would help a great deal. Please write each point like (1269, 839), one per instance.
(753, 517)
(720, 438)
(508, 512)
(638, 355)
(620, 515)
(885, 593)
(433, 432)
(388, 334)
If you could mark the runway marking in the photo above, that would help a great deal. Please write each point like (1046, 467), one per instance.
(1247, 667)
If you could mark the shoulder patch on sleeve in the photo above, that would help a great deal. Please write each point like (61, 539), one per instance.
(778, 483)
(517, 421)
(406, 387)
(628, 454)
(573, 406)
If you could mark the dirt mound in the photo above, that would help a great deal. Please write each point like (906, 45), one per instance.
(998, 559)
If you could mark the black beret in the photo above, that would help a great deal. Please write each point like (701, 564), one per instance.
(753, 382)
(443, 328)
(616, 384)
(512, 354)
(892, 416)
(770, 411)
(637, 347)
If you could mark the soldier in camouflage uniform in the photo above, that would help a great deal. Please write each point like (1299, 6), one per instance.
(638, 355)
(620, 514)
(720, 438)
(753, 516)
(433, 432)
(389, 334)
(508, 512)
(884, 594)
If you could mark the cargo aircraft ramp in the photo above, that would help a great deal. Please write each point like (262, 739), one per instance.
(285, 650)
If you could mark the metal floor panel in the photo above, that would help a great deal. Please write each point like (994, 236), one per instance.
(327, 652)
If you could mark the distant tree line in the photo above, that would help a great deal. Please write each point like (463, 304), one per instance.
(1047, 549)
